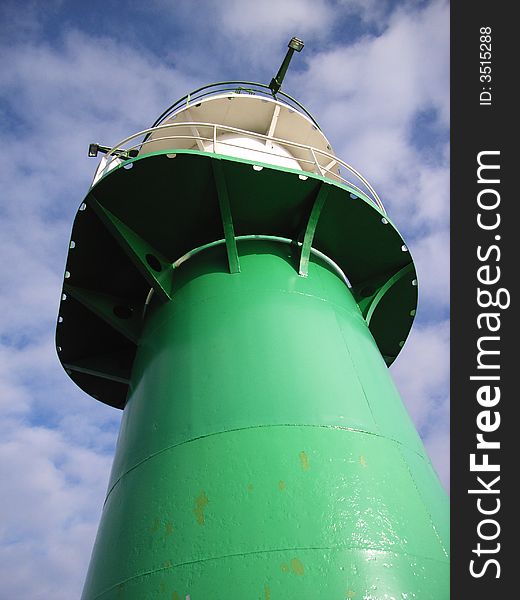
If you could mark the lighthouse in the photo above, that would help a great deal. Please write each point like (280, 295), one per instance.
(239, 292)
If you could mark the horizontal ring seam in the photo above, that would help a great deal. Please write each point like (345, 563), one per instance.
(200, 437)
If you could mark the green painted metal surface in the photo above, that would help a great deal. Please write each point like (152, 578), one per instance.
(264, 450)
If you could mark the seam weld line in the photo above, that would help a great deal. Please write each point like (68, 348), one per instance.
(201, 560)
(347, 346)
(200, 437)
(178, 311)
(423, 502)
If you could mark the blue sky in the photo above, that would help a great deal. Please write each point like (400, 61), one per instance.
(375, 74)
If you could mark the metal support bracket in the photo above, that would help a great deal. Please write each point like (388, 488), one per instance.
(323, 192)
(369, 293)
(272, 126)
(384, 289)
(106, 366)
(195, 132)
(154, 267)
(227, 218)
(116, 312)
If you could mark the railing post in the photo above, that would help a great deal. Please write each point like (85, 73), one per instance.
(320, 171)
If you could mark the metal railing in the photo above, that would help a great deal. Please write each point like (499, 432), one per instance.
(317, 161)
(232, 87)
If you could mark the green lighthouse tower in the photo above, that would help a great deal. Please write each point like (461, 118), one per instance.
(239, 292)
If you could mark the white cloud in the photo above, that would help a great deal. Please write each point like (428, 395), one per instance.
(49, 517)
(422, 370)
(272, 19)
(431, 254)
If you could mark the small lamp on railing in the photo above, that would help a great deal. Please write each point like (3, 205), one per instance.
(95, 149)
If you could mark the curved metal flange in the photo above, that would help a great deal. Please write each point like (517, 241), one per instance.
(135, 223)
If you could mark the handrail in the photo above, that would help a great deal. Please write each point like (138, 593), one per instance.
(120, 152)
(261, 88)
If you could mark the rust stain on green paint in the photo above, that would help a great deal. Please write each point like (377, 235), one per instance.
(200, 504)
(363, 461)
(304, 461)
(155, 526)
(297, 566)
(350, 594)
(169, 528)
(281, 485)
(175, 596)
(167, 563)
(267, 592)
(250, 487)
(285, 568)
